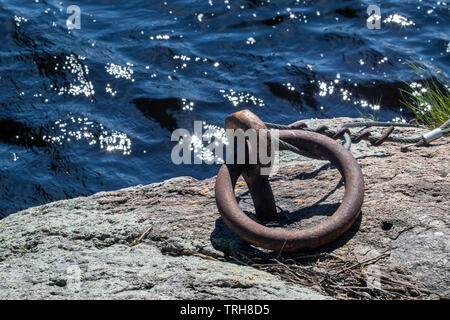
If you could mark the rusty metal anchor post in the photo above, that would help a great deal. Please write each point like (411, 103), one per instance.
(261, 192)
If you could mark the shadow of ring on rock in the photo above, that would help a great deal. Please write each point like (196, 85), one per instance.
(236, 249)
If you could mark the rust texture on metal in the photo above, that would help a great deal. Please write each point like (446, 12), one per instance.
(298, 125)
(364, 135)
(355, 138)
(384, 136)
(261, 192)
(258, 184)
(341, 133)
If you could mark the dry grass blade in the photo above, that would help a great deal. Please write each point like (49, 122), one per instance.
(141, 237)
(365, 262)
(336, 276)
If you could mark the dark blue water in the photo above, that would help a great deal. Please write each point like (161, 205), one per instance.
(93, 109)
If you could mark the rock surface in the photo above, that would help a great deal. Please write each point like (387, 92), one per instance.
(167, 241)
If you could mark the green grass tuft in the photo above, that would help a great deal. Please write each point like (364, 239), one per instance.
(429, 100)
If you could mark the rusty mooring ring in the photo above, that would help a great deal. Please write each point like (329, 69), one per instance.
(292, 240)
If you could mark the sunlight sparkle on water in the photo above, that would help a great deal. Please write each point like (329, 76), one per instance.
(82, 129)
(237, 98)
(199, 145)
(118, 71)
(398, 19)
(82, 85)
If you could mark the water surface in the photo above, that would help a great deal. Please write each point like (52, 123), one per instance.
(92, 109)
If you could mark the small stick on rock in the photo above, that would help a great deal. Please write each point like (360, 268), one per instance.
(141, 237)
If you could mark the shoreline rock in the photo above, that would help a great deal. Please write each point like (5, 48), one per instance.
(167, 241)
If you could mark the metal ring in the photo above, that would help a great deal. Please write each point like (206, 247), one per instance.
(292, 240)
